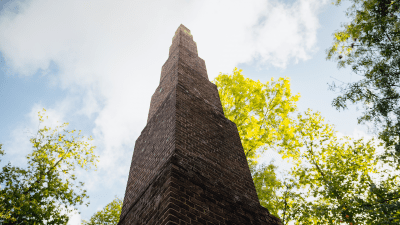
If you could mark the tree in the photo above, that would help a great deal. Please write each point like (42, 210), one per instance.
(4, 214)
(370, 45)
(267, 185)
(337, 174)
(109, 215)
(261, 112)
(331, 178)
(44, 191)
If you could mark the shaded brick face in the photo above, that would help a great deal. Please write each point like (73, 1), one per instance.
(188, 165)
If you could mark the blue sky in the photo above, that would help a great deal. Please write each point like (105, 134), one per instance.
(95, 64)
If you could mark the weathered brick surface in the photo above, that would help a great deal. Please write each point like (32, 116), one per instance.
(188, 165)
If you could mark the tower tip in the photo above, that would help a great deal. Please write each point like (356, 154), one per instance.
(183, 28)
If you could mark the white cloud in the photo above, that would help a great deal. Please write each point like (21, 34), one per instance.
(114, 52)
(109, 54)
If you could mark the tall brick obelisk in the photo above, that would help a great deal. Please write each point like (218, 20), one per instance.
(188, 165)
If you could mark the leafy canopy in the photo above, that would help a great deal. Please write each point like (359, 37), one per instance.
(261, 111)
(331, 180)
(44, 190)
(334, 172)
(370, 45)
(108, 215)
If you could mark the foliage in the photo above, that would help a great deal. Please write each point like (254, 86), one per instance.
(336, 173)
(261, 112)
(267, 185)
(370, 45)
(109, 215)
(4, 214)
(43, 192)
(331, 181)
(279, 197)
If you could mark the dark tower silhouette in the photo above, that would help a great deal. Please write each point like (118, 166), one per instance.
(188, 166)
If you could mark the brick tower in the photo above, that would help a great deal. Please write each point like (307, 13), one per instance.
(188, 166)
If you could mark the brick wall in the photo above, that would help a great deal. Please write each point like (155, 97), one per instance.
(188, 165)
